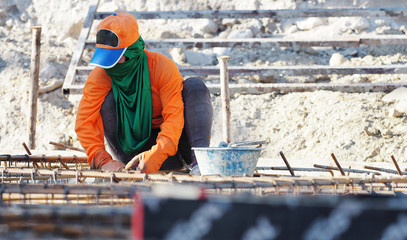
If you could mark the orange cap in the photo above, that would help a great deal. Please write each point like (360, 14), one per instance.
(114, 34)
(124, 25)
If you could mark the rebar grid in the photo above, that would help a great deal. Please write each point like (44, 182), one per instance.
(69, 194)
(51, 186)
(57, 180)
(43, 161)
(44, 222)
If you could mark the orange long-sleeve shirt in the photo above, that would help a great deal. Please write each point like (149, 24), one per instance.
(168, 110)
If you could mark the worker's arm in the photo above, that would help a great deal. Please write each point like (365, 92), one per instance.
(89, 125)
(170, 84)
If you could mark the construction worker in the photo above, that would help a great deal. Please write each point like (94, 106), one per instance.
(139, 102)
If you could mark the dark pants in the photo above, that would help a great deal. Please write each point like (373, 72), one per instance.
(198, 113)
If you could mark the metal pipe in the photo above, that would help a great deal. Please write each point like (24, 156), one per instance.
(297, 70)
(280, 13)
(269, 42)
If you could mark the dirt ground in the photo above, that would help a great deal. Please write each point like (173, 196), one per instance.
(307, 127)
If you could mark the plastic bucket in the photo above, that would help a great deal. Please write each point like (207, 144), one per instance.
(239, 161)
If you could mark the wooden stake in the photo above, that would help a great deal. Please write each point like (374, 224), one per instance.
(225, 97)
(34, 75)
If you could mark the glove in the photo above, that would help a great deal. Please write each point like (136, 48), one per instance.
(103, 160)
(151, 160)
(135, 163)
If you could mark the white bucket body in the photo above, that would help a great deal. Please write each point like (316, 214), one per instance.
(238, 161)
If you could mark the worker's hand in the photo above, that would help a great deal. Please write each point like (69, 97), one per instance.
(150, 161)
(137, 161)
(103, 160)
(113, 165)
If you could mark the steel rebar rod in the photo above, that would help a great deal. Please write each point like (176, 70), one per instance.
(44, 158)
(27, 149)
(386, 170)
(349, 170)
(396, 164)
(287, 164)
(66, 146)
(337, 164)
(300, 169)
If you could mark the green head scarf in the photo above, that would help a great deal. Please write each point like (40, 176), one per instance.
(132, 92)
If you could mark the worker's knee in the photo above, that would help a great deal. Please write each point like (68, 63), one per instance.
(195, 87)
